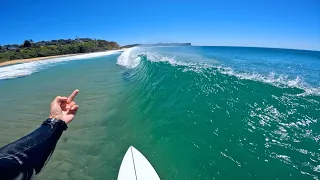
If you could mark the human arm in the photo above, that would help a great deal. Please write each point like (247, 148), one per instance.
(26, 157)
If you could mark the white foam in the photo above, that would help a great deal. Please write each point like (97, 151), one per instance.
(282, 81)
(129, 58)
(25, 69)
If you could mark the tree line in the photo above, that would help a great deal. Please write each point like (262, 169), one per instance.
(30, 49)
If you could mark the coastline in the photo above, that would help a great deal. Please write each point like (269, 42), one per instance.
(19, 61)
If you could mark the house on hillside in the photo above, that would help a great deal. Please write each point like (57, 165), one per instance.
(40, 44)
(11, 47)
(83, 39)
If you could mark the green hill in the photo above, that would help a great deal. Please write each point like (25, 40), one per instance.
(30, 49)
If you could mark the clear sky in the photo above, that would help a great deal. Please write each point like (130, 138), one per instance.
(268, 23)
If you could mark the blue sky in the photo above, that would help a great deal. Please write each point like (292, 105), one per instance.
(270, 23)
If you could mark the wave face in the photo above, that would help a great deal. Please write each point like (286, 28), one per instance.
(245, 110)
(26, 69)
(281, 69)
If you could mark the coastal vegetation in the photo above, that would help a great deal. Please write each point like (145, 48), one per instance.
(30, 49)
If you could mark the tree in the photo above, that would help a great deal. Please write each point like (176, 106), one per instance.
(26, 44)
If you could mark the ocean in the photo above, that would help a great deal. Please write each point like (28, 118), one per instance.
(194, 112)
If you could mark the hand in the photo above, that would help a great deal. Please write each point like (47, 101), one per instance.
(64, 108)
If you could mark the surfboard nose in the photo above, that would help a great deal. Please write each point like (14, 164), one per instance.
(135, 166)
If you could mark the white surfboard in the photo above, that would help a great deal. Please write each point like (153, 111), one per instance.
(135, 166)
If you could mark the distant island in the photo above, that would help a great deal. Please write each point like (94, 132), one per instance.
(29, 49)
(158, 44)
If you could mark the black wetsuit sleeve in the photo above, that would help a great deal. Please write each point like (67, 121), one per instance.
(25, 158)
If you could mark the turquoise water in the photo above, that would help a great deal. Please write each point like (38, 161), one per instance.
(194, 112)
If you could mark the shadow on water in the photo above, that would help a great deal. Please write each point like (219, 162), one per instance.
(128, 75)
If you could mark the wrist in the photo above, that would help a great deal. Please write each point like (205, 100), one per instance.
(57, 117)
(56, 122)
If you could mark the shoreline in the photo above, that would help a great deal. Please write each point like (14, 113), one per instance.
(19, 61)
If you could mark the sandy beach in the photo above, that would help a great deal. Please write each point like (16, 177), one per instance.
(18, 61)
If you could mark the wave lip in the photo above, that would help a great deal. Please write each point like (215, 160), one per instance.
(26, 69)
(129, 58)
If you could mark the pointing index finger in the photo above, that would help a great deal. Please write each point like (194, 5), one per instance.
(72, 96)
